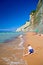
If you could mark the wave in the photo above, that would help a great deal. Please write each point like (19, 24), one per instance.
(7, 36)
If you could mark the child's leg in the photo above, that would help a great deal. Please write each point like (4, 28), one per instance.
(25, 54)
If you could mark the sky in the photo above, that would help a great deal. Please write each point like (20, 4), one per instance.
(15, 13)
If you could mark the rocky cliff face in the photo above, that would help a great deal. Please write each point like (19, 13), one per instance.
(36, 21)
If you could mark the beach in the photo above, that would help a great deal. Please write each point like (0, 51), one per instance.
(12, 54)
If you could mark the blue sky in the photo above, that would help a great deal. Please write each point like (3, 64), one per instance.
(15, 13)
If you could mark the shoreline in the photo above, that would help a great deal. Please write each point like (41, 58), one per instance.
(8, 50)
(9, 40)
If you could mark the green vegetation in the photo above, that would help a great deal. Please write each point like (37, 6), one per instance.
(33, 12)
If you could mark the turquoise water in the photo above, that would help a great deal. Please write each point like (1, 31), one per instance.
(8, 36)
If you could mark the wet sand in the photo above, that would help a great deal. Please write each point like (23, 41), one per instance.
(12, 54)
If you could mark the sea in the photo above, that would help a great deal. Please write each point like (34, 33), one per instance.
(8, 35)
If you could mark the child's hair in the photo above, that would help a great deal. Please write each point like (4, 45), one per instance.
(28, 44)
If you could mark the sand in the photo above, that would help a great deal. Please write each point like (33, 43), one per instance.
(36, 42)
(11, 53)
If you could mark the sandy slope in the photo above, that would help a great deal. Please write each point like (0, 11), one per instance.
(36, 42)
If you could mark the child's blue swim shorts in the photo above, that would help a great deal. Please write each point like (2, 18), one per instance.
(31, 51)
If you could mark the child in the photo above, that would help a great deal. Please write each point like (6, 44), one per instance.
(30, 50)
